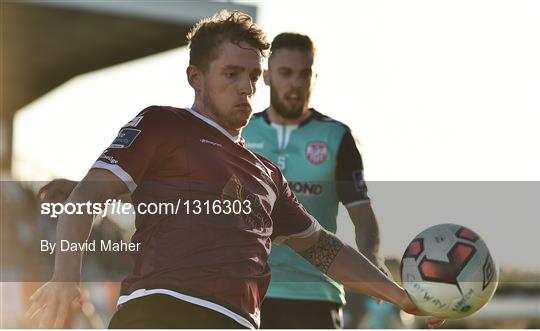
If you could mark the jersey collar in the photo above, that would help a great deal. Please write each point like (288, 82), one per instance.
(237, 139)
(304, 122)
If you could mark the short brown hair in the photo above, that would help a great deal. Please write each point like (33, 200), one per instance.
(290, 40)
(209, 33)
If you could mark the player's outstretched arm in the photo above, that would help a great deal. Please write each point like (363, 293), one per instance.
(57, 190)
(53, 301)
(352, 269)
(366, 228)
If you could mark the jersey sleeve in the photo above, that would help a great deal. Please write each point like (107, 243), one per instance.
(139, 144)
(290, 218)
(351, 186)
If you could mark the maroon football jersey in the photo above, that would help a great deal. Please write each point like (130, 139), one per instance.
(199, 252)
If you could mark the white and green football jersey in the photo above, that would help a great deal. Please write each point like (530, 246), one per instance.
(322, 163)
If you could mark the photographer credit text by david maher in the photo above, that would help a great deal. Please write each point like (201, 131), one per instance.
(89, 246)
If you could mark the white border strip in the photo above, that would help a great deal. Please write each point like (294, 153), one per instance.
(118, 171)
(314, 227)
(212, 123)
(357, 203)
(196, 301)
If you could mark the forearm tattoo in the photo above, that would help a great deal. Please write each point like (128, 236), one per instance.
(323, 253)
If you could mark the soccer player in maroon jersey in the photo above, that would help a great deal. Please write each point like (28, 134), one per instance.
(202, 267)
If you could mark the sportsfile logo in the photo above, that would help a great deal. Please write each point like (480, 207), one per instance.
(116, 207)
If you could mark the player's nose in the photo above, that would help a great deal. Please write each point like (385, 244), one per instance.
(247, 86)
(298, 85)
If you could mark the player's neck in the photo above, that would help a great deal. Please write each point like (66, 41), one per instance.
(275, 118)
(204, 112)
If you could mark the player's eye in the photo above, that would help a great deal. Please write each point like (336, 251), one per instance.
(254, 78)
(230, 74)
(285, 73)
(306, 74)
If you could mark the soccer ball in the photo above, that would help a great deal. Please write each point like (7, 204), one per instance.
(448, 272)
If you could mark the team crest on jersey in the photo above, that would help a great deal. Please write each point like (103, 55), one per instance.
(317, 152)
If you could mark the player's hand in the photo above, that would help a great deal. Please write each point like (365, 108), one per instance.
(57, 190)
(52, 303)
(409, 307)
(379, 262)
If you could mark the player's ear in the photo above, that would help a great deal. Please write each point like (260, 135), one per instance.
(266, 77)
(194, 76)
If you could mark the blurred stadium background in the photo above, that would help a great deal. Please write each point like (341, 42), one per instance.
(58, 58)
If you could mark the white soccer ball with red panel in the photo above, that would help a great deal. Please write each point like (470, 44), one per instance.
(448, 272)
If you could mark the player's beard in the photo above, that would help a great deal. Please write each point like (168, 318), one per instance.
(282, 109)
(233, 119)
